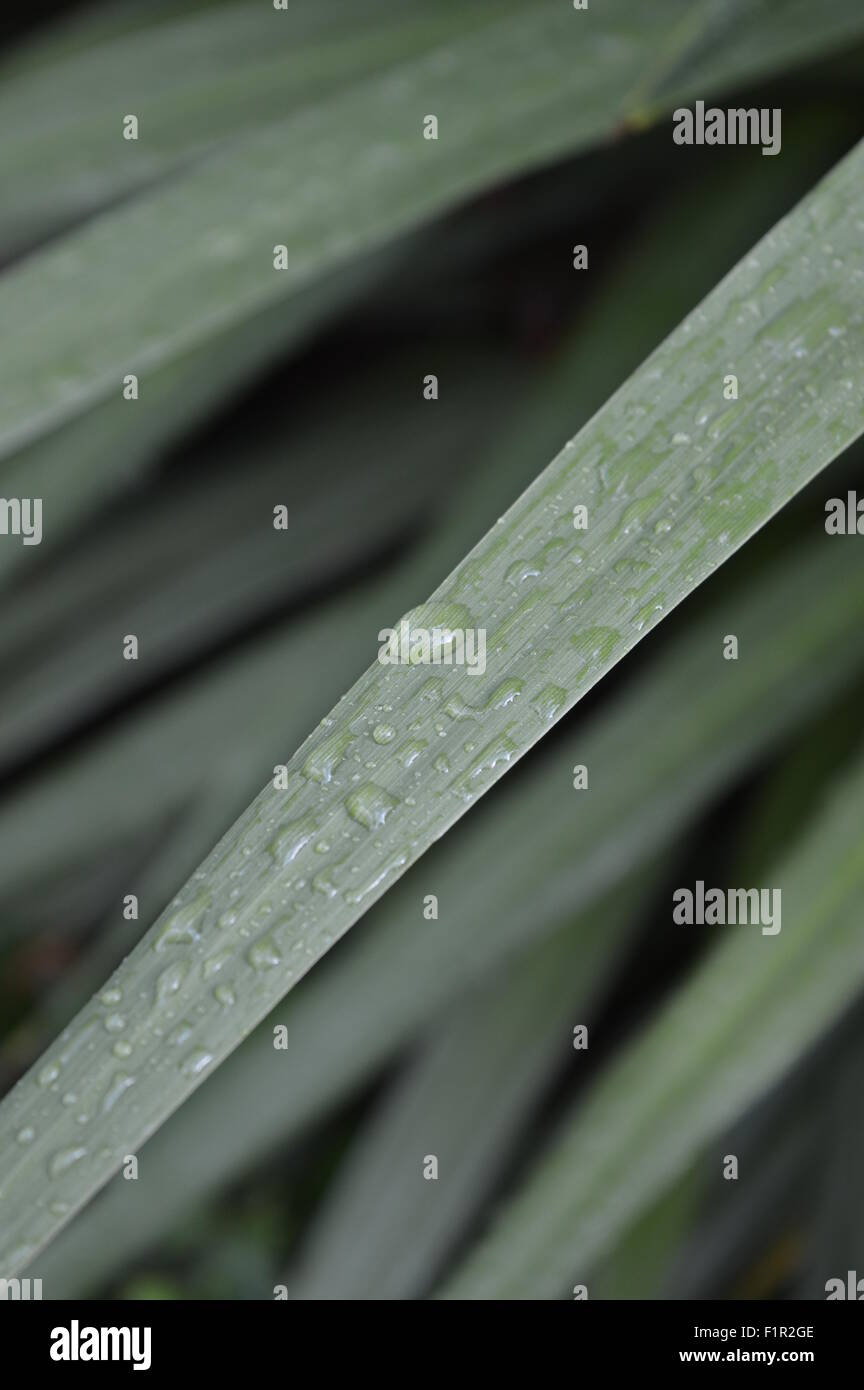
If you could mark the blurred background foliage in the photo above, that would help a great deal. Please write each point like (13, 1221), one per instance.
(412, 1037)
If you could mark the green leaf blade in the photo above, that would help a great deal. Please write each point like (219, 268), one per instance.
(333, 183)
(740, 1024)
(356, 809)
